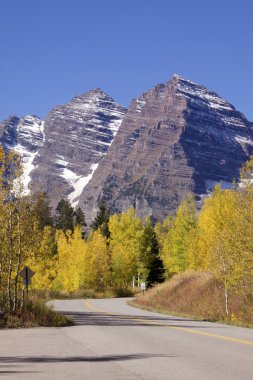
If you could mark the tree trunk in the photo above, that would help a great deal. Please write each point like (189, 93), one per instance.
(10, 266)
(0, 273)
(226, 296)
(15, 296)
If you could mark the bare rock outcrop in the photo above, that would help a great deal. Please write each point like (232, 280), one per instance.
(77, 136)
(178, 137)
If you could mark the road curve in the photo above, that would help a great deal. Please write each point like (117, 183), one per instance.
(114, 341)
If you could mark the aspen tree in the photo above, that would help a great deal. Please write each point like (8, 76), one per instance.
(125, 234)
(19, 227)
(176, 242)
(45, 262)
(71, 249)
(218, 234)
(162, 229)
(96, 261)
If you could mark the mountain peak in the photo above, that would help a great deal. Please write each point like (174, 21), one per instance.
(196, 93)
(179, 78)
(176, 138)
(80, 133)
(93, 95)
(30, 118)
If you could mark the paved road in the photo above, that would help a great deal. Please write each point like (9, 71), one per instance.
(113, 341)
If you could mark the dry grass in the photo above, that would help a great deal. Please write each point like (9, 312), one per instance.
(34, 314)
(47, 295)
(198, 295)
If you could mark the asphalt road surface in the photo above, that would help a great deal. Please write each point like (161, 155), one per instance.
(111, 340)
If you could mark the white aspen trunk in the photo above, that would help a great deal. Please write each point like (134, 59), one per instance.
(226, 301)
(225, 284)
(1, 273)
(1, 293)
(22, 297)
(15, 297)
(226, 295)
(10, 262)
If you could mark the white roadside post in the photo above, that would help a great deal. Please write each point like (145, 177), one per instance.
(143, 287)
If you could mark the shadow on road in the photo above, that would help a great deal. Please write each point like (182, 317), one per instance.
(100, 319)
(15, 372)
(75, 359)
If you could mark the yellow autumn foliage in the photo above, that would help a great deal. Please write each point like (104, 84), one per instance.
(96, 270)
(125, 235)
(45, 262)
(71, 253)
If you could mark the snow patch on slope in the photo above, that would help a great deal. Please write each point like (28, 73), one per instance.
(140, 103)
(61, 161)
(199, 94)
(101, 105)
(78, 182)
(27, 163)
(243, 140)
(30, 133)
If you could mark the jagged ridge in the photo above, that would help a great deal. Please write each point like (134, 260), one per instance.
(176, 138)
(78, 135)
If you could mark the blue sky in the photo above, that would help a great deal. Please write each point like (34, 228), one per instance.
(52, 50)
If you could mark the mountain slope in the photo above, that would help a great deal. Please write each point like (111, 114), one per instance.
(176, 138)
(78, 135)
(25, 136)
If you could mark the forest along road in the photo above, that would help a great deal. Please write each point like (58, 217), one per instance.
(111, 340)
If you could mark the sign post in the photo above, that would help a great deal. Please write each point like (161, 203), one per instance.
(26, 273)
(143, 287)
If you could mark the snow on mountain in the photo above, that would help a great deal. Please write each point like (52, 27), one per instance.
(78, 135)
(25, 136)
(200, 94)
(79, 183)
(244, 141)
(176, 138)
(30, 138)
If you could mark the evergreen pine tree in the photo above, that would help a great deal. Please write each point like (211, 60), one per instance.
(156, 273)
(65, 216)
(150, 261)
(80, 218)
(102, 220)
(43, 210)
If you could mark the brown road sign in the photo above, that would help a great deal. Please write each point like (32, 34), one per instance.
(26, 273)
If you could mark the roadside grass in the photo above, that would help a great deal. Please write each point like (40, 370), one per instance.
(34, 314)
(37, 313)
(47, 295)
(199, 296)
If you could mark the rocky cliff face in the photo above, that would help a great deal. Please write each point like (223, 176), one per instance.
(178, 137)
(77, 136)
(25, 136)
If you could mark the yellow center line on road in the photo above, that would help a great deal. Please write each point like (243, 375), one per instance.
(90, 307)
